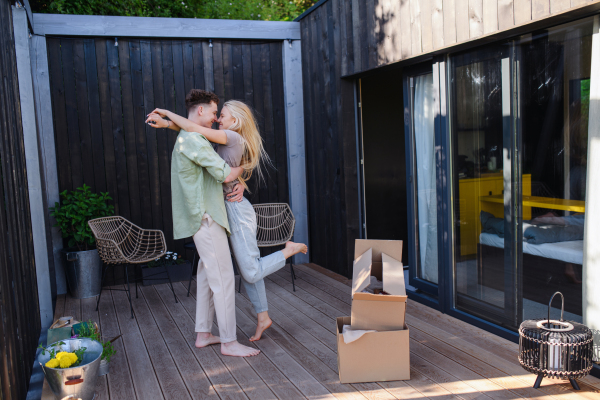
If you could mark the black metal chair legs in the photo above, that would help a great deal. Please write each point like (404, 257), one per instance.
(128, 283)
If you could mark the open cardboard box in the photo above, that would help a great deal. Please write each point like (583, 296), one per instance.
(374, 357)
(382, 259)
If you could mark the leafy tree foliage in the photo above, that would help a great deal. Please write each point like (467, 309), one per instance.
(266, 10)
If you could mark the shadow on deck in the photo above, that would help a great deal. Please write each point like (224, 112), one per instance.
(156, 357)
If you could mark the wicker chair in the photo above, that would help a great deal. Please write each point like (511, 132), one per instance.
(276, 224)
(121, 242)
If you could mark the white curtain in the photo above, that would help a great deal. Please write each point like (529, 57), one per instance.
(426, 190)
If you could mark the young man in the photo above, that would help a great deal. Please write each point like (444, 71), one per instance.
(197, 174)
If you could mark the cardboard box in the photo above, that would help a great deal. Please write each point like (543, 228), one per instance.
(375, 357)
(382, 259)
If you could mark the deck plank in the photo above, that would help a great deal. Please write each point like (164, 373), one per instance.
(145, 381)
(88, 312)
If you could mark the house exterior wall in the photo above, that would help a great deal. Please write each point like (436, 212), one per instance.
(342, 40)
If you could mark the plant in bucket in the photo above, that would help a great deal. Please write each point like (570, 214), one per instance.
(71, 367)
(83, 266)
(90, 330)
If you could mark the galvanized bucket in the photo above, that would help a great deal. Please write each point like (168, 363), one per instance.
(84, 273)
(77, 382)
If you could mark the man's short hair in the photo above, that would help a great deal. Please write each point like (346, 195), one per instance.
(198, 96)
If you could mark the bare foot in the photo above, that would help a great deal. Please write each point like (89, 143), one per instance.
(292, 248)
(206, 339)
(236, 349)
(263, 324)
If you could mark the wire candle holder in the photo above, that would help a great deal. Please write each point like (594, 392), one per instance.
(556, 348)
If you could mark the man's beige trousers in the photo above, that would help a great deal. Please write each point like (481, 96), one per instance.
(216, 282)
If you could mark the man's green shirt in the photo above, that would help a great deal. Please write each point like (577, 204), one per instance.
(197, 173)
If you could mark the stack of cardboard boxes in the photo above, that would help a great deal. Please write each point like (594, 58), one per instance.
(382, 355)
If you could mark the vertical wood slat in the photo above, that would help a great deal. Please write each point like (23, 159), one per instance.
(437, 23)
(356, 40)
(114, 80)
(60, 114)
(540, 8)
(490, 16)
(106, 120)
(71, 113)
(405, 29)
(95, 120)
(522, 11)
(476, 18)
(373, 36)
(557, 6)
(150, 135)
(506, 17)
(19, 307)
(449, 22)
(426, 12)
(129, 133)
(85, 137)
(462, 20)
(415, 26)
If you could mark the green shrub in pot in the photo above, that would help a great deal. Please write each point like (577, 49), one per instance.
(76, 208)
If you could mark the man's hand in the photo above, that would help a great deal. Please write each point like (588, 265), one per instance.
(156, 121)
(237, 195)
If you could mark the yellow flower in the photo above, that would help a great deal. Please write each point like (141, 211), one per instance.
(62, 360)
(67, 360)
(54, 363)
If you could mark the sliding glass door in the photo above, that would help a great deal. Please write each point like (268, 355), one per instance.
(497, 155)
(481, 131)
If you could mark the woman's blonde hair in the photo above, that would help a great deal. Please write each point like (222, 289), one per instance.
(254, 153)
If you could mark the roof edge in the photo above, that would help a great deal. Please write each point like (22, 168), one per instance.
(313, 8)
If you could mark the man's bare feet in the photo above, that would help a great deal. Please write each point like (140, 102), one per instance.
(292, 248)
(204, 339)
(264, 322)
(236, 349)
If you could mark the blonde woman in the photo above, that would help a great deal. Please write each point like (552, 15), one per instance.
(240, 144)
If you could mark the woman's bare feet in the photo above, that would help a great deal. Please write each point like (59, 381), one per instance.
(204, 339)
(236, 349)
(264, 322)
(292, 248)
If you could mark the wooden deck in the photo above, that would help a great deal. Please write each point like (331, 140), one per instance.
(156, 357)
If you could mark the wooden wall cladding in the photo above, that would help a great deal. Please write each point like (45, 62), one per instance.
(19, 307)
(101, 93)
(382, 32)
(332, 184)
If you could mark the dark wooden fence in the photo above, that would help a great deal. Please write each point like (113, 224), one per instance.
(102, 90)
(19, 306)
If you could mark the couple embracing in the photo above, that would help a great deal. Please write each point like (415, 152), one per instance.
(201, 179)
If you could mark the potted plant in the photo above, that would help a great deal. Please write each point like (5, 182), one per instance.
(71, 367)
(155, 272)
(83, 266)
(90, 330)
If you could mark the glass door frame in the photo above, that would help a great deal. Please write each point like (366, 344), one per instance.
(430, 288)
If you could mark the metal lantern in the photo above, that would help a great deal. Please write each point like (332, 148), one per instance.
(555, 349)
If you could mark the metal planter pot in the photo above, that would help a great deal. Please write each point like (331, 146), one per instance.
(84, 273)
(77, 382)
